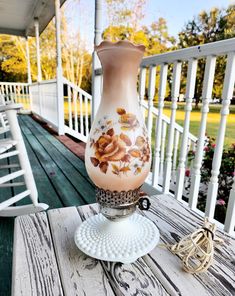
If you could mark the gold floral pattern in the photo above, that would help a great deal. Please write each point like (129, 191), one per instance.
(128, 121)
(118, 151)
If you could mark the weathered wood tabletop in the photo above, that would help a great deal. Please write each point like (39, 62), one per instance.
(47, 262)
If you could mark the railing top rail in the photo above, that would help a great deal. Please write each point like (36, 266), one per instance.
(216, 48)
(77, 88)
(44, 82)
(14, 83)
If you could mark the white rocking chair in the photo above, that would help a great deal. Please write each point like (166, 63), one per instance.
(8, 121)
(4, 125)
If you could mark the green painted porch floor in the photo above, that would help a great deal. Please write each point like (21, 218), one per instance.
(61, 180)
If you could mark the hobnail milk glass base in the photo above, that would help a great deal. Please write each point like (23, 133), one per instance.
(121, 241)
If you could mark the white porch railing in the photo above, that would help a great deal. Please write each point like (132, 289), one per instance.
(41, 99)
(17, 92)
(77, 111)
(190, 56)
(164, 157)
(44, 101)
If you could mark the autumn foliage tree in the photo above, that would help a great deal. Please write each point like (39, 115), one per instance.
(209, 26)
(125, 21)
(76, 59)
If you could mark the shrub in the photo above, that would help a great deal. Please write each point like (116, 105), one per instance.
(225, 178)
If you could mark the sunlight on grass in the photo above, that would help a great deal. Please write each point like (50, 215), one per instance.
(212, 127)
(213, 120)
(78, 107)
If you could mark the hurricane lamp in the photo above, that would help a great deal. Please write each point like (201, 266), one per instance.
(118, 160)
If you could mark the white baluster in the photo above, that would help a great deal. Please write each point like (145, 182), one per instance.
(23, 97)
(163, 142)
(175, 94)
(189, 144)
(81, 114)
(86, 116)
(151, 93)
(194, 146)
(2, 89)
(188, 149)
(75, 106)
(30, 99)
(142, 82)
(190, 88)
(70, 108)
(175, 149)
(158, 132)
(206, 97)
(229, 224)
(15, 97)
(11, 91)
(7, 92)
(227, 94)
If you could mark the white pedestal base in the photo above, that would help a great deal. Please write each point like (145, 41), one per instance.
(121, 241)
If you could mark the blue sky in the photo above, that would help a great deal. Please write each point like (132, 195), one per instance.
(176, 12)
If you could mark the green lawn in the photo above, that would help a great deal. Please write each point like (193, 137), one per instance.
(212, 120)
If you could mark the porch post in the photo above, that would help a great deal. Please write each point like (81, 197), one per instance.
(59, 72)
(96, 77)
(29, 73)
(36, 26)
(28, 60)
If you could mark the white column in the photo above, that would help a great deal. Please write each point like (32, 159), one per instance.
(36, 25)
(28, 72)
(175, 94)
(227, 94)
(96, 78)
(28, 60)
(190, 88)
(206, 97)
(158, 131)
(59, 71)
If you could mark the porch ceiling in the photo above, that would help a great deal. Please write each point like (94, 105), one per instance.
(17, 16)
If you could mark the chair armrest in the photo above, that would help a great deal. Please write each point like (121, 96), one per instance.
(4, 108)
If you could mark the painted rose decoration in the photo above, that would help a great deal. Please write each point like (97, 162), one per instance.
(118, 151)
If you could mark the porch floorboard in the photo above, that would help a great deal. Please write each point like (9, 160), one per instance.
(61, 180)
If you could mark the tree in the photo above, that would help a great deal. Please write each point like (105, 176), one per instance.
(125, 13)
(76, 60)
(215, 25)
(13, 57)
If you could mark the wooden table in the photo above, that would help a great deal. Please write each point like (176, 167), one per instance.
(47, 262)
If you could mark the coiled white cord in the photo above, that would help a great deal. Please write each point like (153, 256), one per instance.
(196, 250)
